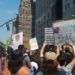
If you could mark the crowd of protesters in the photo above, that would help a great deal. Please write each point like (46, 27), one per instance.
(55, 60)
(58, 60)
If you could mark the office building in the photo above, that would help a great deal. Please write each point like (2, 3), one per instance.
(25, 19)
(45, 14)
(68, 9)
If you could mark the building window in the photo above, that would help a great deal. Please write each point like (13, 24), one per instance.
(65, 7)
(68, 5)
(73, 1)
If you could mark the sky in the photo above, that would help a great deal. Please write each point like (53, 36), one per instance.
(8, 10)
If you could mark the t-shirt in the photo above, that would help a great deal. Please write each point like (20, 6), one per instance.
(61, 72)
(67, 69)
(26, 60)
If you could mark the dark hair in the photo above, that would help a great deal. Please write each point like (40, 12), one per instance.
(69, 57)
(50, 66)
(20, 46)
(68, 47)
(50, 48)
(61, 59)
(65, 58)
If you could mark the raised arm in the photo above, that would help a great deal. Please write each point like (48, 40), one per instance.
(42, 49)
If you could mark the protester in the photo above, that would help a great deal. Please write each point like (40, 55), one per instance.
(46, 48)
(50, 64)
(24, 71)
(14, 60)
(26, 66)
(66, 62)
(3, 62)
(26, 58)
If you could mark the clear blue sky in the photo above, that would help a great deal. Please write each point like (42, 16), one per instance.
(8, 9)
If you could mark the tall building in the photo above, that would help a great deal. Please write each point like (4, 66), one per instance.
(36, 15)
(33, 11)
(25, 19)
(68, 9)
(58, 10)
(45, 13)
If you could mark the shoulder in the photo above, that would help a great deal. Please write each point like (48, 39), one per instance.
(23, 71)
(25, 54)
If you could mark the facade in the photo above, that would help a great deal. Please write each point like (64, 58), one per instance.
(68, 9)
(48, 11)
(33, 11)
(45, 13)
(58, 10)
(36, 15)
(25, 19)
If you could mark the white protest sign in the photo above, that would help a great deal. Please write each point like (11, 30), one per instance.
(17, 39)
(33, 44)
(49, 38)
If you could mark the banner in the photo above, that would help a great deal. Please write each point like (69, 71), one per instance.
(17, 39)
(33, 44)
(65, 31)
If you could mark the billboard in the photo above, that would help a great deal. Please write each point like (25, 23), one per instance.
(66, 31)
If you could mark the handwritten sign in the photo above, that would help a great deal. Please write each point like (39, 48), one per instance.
(17, 39)
(33, 44)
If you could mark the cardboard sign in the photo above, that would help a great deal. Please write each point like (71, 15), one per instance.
(33, 44)
(49, 37)
(17, 39)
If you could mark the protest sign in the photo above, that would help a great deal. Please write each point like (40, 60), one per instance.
(33, 44)
(17, 39)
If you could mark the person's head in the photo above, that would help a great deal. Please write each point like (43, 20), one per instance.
(51, 48)
(50, 61)
(65, 58)
(21, 48)
(67, 47)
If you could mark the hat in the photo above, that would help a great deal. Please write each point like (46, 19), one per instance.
(50, 55)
